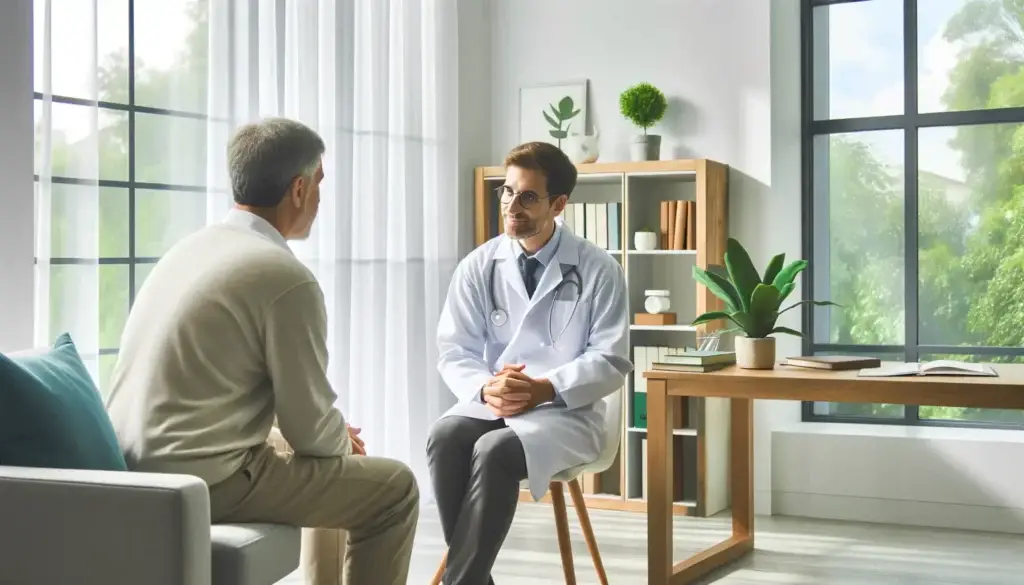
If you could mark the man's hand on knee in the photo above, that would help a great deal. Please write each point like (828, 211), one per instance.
(358, 446)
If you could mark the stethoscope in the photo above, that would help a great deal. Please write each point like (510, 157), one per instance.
(499, 316)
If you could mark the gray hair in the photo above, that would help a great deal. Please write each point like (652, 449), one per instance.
(266, 156)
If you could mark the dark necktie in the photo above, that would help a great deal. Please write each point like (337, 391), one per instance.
(528, 265)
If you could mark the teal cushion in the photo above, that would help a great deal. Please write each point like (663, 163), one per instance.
(51, 413)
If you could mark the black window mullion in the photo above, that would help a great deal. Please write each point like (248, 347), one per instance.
(128, 184)
(910, 194)
(131, 153)
(74, 101)
(1010, 115)
(122, 261)
(807, 164)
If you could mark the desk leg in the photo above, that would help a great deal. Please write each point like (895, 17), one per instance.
(742, 447)
(661, 569)
(659, 483)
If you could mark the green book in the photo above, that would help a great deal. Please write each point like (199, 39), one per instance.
(701, 358)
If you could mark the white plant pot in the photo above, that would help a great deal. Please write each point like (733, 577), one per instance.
(645, 147)
(755, 353)
(645, 241)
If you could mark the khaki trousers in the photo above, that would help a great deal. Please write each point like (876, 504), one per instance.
(358, 513)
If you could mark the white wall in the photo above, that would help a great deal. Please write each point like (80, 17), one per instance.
(474, 106)
(941, 477)
(16, 190)
(731, 69)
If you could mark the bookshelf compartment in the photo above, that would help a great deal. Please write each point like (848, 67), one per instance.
(684, 479)
(670, 272)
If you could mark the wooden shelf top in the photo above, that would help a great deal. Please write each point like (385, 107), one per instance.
(627, 167)
(662, 328)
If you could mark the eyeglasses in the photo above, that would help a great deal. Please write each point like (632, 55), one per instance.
(526, 198)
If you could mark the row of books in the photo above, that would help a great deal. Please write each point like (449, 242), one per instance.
(678, 225)
(649, 358)
(694, 361)
(677, 358)
(598, 222)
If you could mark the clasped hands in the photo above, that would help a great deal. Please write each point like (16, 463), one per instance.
(511, 392)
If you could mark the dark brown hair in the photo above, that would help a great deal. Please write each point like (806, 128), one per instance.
(548, 159)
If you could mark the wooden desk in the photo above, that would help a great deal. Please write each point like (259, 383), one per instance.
(782, 383)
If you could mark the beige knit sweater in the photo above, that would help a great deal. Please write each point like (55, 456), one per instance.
(228, 332)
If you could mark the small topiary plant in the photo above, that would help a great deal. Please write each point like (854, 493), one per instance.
(643, 105)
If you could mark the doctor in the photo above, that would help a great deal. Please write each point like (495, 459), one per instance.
(532, 337)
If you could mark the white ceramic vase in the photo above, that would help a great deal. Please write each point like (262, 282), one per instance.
(645, 241)
(582, 149)
(755, 353)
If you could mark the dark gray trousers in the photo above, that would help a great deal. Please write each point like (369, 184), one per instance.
(475, 467)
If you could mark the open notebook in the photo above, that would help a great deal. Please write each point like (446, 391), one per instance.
(935, 368)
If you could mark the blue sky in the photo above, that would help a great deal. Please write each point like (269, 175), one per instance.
(866, 72)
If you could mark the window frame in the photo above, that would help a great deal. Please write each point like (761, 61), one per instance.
(131, 185)
(909, 122)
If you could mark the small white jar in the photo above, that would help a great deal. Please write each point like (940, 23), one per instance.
(645, 241)
(657, 301)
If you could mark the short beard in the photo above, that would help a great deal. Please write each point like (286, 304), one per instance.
(526, 231)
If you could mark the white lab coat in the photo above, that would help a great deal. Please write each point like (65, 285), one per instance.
(586, 363)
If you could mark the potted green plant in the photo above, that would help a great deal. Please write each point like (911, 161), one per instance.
(753, 302)
(644, 105)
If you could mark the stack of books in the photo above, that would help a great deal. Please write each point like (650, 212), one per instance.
(695, 361)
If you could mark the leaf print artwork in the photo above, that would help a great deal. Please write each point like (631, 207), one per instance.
(564, 112)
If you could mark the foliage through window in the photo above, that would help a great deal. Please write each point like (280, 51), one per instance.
(914, 188)
(121, 143)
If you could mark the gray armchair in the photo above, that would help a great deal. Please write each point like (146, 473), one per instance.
(124, 528)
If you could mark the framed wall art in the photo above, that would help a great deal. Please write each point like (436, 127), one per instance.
(552, 113)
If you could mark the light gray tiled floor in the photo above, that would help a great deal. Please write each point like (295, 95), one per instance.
(790, 551)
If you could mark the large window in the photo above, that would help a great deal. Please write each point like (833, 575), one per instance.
(914, 189)
(121, 148)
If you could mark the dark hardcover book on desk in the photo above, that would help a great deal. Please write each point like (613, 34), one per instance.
(833, 362)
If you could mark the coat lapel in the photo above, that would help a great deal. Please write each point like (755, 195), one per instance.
(509, 272)
(568, 256)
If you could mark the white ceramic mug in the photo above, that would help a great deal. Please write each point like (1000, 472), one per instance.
(645, 241)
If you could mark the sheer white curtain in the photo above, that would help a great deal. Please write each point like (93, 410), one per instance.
(67, 243)
(132, 121)
(378, 80)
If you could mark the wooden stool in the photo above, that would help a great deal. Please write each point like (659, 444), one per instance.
(562, 527)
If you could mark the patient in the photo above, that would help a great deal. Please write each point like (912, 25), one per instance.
(228, 333)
